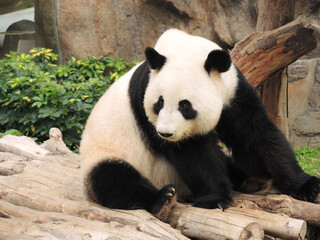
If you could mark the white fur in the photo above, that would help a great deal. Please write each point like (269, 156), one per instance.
(183, 77)
(112, 133)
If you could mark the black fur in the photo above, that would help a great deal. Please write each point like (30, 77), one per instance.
(258, 146)
(186, 109)
(158, 105)
(154, 59)
(218, 60)
(135, 192)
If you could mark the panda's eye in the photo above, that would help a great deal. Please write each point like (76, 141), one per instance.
(158, 105)
(186, 109)
(184, 105)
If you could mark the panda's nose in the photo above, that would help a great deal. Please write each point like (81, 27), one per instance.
(165, 135)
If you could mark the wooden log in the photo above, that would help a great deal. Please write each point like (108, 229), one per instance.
(44, 195)
(272, 224)
(194, 222)
(261, 54)
(43, 198)
(281, 204)
(40, 224)
(213, 224)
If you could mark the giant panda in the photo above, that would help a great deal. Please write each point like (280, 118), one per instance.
(154, 134)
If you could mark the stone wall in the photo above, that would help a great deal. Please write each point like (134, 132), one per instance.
(124, 28)
(304, 102)
(304, 87)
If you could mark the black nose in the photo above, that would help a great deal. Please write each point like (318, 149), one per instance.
(165, 135)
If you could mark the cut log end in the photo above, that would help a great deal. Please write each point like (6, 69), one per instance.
(253, 231)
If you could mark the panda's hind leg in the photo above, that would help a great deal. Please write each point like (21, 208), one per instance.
(310, 190)
(116, 184)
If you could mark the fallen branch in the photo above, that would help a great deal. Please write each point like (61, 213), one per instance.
(282, 204)
(272, 224)
(262, 54)
(213, 224)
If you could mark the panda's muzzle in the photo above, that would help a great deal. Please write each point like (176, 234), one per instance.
(165, 135)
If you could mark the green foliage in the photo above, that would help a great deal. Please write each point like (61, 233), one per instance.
(309, 159)
(37, 95)
(11, 132)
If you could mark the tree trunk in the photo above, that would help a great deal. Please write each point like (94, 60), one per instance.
(274, 93)
(255, 55)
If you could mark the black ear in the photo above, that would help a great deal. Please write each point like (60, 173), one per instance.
(154, 59)
(218, 60)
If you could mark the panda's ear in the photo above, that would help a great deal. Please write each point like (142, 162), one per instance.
(154, 59)
(218, 60)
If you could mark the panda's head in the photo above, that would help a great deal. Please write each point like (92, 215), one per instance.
(190, 81)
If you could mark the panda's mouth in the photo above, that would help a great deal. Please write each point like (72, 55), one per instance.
(165, 135)
(170, 137)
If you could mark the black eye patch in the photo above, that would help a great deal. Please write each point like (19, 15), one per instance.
(158, 105)
(185, 107)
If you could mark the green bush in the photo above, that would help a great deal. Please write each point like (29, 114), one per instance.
(36, 94)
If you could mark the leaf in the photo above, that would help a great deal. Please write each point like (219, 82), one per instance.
(37, 104)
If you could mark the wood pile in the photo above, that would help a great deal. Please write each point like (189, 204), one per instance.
(41, 198)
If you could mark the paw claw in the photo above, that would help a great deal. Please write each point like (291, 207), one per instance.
(170, 195)
(165, 200)
(220, 207)
(172, 189)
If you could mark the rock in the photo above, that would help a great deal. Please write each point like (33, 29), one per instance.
(304, 104)
(125, 28)
(232, 21)
(308, 125)
(297, 71)
(317, 77)
(115, 28)
(314, 97)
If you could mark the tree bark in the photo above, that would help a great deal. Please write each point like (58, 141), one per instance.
(213, 223)
(262, 54)
(274, 225)
(274, 93)
(281, 204)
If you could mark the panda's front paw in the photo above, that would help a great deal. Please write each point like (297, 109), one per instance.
(309, 190)
(165, 199)
(213, 201)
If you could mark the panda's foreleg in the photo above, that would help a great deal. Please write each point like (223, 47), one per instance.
(202, 167)
(258, 146)
(116, 184)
